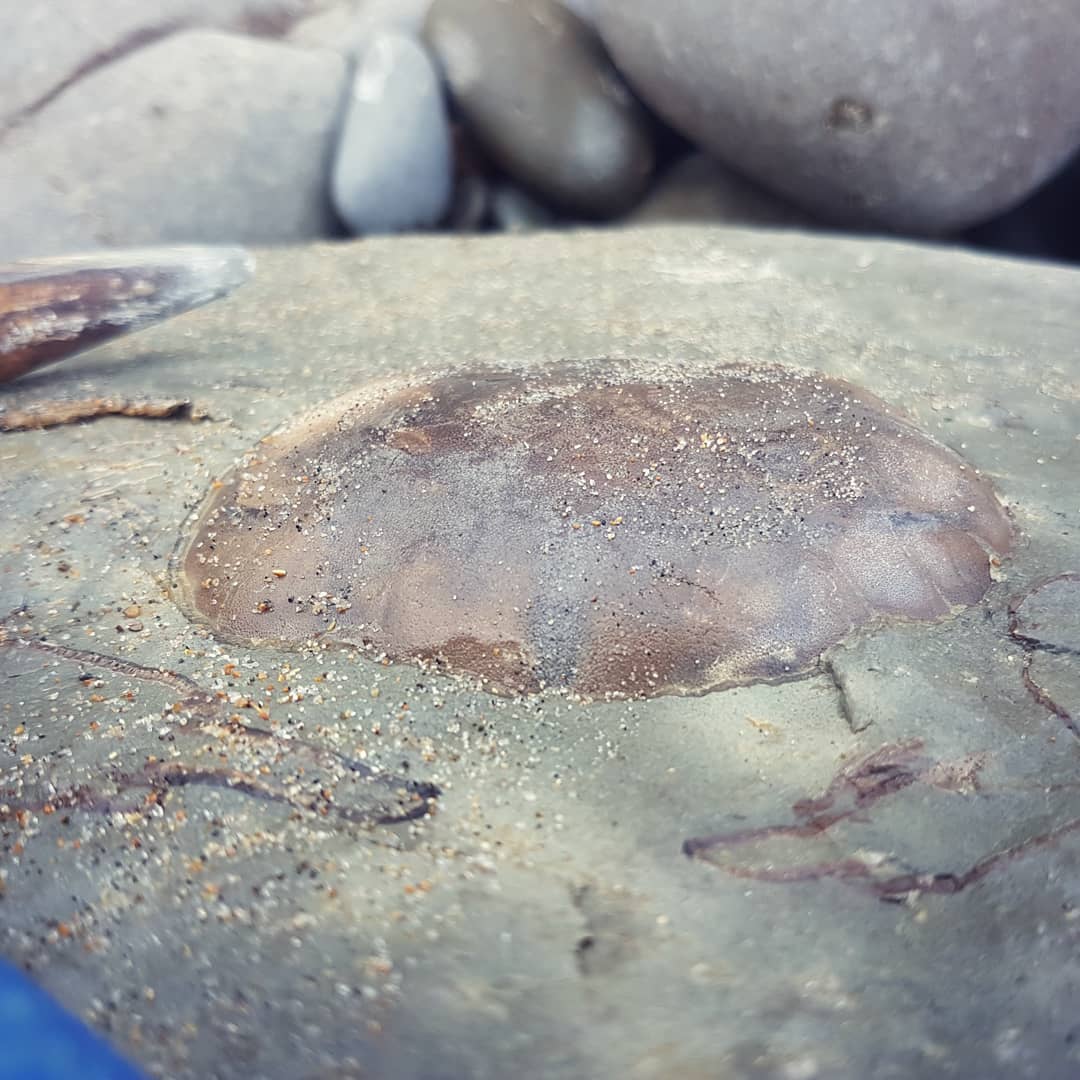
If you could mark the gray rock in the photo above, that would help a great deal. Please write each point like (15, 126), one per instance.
(203, 136)
(394, 162)
(583, 9)
(348, 27)
(699, 188)
(525, 929)
(535, 87)
(910, 115)
(46, 47)
(514, 210)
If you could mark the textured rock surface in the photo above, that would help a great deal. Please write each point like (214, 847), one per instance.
(915, 116)
(534, 85)
(525, 927)
(393, 168)
(202, 136)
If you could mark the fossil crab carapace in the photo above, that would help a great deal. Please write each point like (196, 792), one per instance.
(613, 527)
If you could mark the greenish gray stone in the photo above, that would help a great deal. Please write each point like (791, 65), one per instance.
(545, 920)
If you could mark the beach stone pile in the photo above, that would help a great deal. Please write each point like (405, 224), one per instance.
(274, 121)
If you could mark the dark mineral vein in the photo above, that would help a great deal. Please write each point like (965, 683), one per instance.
(291, 771)
(853, 792)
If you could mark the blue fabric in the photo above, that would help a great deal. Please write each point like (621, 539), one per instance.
(40, 1041)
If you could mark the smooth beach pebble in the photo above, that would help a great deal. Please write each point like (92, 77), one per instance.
(615, 528)
(394, 164)
(535, 87)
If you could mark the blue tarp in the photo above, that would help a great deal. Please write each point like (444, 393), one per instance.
(41, 1041)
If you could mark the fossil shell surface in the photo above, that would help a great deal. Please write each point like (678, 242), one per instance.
(612, 527)
(56, 307)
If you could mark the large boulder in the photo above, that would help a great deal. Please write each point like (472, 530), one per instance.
(908, 115)
(201, 136)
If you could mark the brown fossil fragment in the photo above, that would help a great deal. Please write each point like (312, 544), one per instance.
(53, 308)
(46, 414)
(614, 527)
(806, 850)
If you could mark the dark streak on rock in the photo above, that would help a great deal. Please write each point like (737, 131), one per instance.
(855, 721)
(1032, 645)
(888, 769)
(258, 24)
(392, 798)
(1043, 697)
(857, 788)
(138, 39)
(610, 933)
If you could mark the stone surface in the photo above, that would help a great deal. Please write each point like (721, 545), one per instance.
(535, 87)
(211, 929)
(697, 188)
(202, 136)
(47, 47)
(914, 116)
(348, 27)
(393, 167)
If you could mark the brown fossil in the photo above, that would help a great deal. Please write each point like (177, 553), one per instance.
(613, 527)
(53, 308)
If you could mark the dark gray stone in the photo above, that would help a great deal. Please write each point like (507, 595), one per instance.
(394, 163)
(698, 188)
(203, 136)
(470, 206)
(535, 87)
(913, 116)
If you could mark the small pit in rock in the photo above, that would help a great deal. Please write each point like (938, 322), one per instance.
(616, 528)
